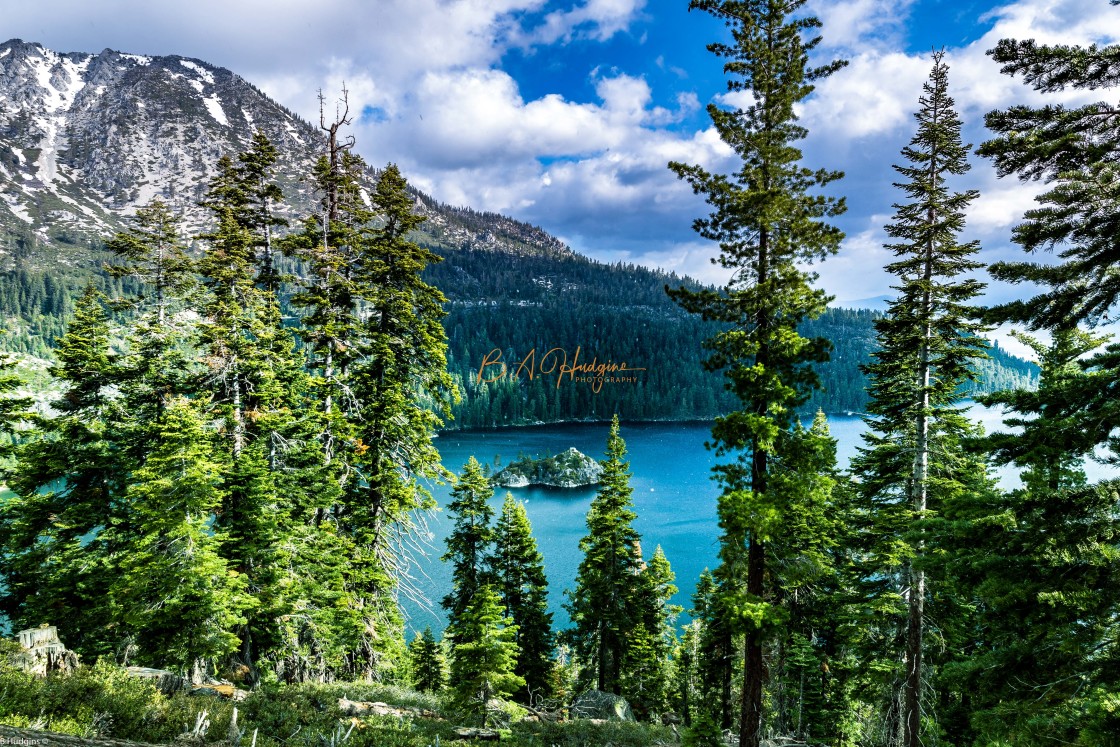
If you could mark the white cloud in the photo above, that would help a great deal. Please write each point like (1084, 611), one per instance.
(594, 19)
(858, 24)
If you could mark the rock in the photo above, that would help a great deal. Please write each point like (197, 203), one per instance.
(364, 708)
(596, 704)
(469, 732)
(220, 690)
(569, 469)
(43, 652)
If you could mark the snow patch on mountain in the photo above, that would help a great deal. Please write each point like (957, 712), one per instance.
(214, 106)
(202, 72)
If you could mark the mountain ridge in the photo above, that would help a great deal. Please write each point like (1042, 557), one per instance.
(86, 138)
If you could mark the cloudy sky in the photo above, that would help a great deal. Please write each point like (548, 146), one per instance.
(564, 113)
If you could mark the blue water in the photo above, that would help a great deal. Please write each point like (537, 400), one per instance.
(674, 498)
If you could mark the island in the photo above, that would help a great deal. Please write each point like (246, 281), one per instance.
(569, 469)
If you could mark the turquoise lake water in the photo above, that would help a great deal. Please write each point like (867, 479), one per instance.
(674, 497)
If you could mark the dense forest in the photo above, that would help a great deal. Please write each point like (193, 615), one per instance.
(225, 467)
(542, 301)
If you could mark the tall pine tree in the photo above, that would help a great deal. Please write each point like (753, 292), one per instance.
(914, 460)
(517, 568)
(469, 542)
(769, 226)
(603, 605)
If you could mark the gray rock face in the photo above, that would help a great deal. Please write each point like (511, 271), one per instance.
(569, 469)
(597, 704)
(86, 138)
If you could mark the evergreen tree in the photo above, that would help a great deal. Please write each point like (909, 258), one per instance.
(769, 226)
(483, 656)
(517, 568)
(427, 663)
(1039, 565)
(1073, 149)
(178, 597)
(401, 388)
(914, 460)
(646, 679)
(153, 252)
(603, 605)
(68, 486)
(14, 409)
(469, 542)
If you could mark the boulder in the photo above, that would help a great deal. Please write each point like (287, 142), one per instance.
(598, 705)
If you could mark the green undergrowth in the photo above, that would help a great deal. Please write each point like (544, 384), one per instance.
(102, 701)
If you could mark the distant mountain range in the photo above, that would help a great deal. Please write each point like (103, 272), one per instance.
(86, 138)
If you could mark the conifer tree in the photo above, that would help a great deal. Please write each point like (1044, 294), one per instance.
(517, 568)
(152, 251)
(914, 460)
(469, 542)
(603, 605)
(14, 409)
(484, 654)
(180, 600)
(768, 225)
(645, 681)
(68, 485)
(427, 663)
(401, 390)
(1039, 565)
(1073, 149)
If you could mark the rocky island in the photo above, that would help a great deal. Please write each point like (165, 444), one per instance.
(569, 469)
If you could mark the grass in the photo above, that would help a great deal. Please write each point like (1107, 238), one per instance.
(102, 701)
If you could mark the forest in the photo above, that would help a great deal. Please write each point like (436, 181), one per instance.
(234, 460)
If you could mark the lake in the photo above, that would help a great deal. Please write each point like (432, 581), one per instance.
(674, 497)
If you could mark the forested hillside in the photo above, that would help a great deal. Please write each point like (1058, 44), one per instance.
(542, 301)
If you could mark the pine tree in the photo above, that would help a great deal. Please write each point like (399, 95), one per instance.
(1073, 149)
(1039, 565)
(14, 409)
(645, 681)
(602, 606)
(68, 486)
(469, 542)
(769, 226)
(401, 389)
(179, 599)
(517, 568)
(152, 251)
(483, 656)
(427, 663)
(914, 460)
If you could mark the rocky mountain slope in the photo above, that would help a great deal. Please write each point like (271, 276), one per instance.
(87, 138)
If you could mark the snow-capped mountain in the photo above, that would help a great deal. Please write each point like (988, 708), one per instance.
(85, 139)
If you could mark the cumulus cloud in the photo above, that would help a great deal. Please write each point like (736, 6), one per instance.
(429, 83)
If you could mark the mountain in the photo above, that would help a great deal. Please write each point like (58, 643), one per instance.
(85, 139)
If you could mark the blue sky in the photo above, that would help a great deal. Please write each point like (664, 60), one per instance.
(564, 113)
